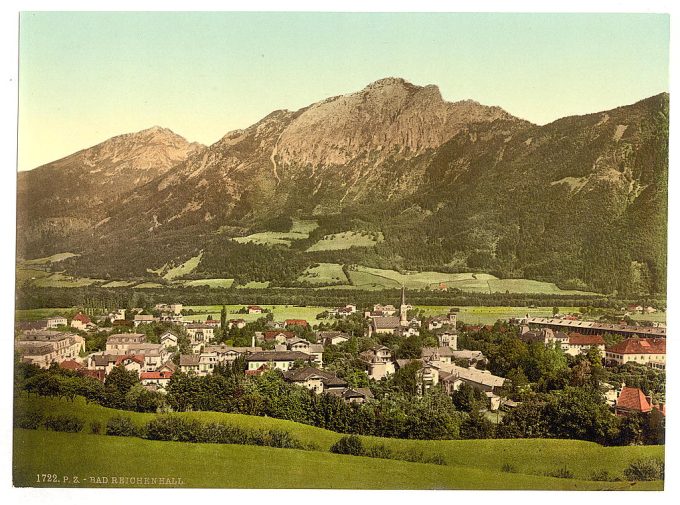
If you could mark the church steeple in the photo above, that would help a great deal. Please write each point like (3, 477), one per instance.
(403, 309)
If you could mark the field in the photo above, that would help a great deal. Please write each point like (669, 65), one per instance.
(30, 274)
(59, 280)
(146, 285)
(281, 312)
(299, 231)
(345, 240)
(253, 285)
(35, 314)
(324, 273)
(376, 278)
(185, 268)
(489, 315)
(117, 284)
(55, 258)
(211, 283)
(470, 464)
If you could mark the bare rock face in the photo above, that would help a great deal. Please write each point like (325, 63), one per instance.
(390, 117)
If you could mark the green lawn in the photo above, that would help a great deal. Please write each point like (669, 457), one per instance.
(50, 259)
(234, 466)
(324, 273)
(345, 240)
(145, 285)
(531, 458)
(489, 315)
(211, 283)
(60, 280)
(299, 230)
(117, 284)
(35, 314)
(281, 312)
(185, 268)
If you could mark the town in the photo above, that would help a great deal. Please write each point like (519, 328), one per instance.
(493, 373)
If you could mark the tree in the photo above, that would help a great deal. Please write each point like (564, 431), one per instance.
(118, 383)
(223, 322)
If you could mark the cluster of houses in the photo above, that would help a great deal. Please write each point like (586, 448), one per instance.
(279, 347)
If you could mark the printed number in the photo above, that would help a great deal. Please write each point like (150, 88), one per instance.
(47, 477)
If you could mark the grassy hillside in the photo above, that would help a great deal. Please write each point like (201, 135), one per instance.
(530, 458)
(236, 466)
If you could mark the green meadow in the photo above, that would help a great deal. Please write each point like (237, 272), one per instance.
(470, 464)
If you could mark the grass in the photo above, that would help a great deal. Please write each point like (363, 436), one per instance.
(30, 274)
(55, 258)
(281, 312)
(185, 268)
(211, 283)
(345, 240)
(60, 280)
(145, 285)
(299, 231)
(117, 284)
(253, 285)
(35, 314)
(471, 464)
(324, 273)
(489, 315)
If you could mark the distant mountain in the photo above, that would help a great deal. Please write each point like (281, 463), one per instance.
(446, 186)
(70, 193)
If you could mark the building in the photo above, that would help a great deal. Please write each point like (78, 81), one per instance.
(155, 380)
(304, 346)
(104, 362)
(254, 309)
(385, 324)
(633, 401)
(448, 338)
(315, 380)
(379, 362)
(44, 347)
(227, 354)
(169, 308)
(452, 376)
(189, 363)
(347, 310)
(332, 337)
(385, 310)
(296, 322)
(80, 321)
(168, 340)
(595, 328)
(581, 344)
(403, 309)
(239, 323)
(144, 319)
(647, 351)
(200, 332)
(280, 337)
(122, 341)
(55, 321)
(353, 395)
(281, 360)
(440, 354)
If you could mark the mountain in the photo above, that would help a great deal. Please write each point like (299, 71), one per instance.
(435, 185)
(70, 193)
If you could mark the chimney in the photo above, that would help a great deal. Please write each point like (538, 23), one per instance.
(252, 341)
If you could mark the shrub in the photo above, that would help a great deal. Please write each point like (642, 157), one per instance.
(64, 422)
(283, 439)
(508, 468)
(28, 420)
(95, 427)
(174, 428)
(645, 469)
(603, 476)
(379, 451)
(561, 473)
(119, 426)
(348, 445)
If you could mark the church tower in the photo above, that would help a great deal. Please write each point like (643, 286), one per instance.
(403, 309)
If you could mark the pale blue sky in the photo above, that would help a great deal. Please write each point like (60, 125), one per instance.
(85, 77)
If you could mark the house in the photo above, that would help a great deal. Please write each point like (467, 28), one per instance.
(154, 354)
(254, 309)
(41, 324)
(635, 308)
(428, 373)
(121, 341)
(296, 322)
(118, 315)
(172, 308)
(168, 366)
(385, 324)
(228, 354)
(472, 357)
(314, 379)
(448, 339)
(332, 337)
(581, 344)
(44, 347)
(80, 321)
(144, 319)
(55, 321)
(438, 322)
(157, 380)
(275, 325)
(280, 337)
(200, 332)
(215, 323)
(72, 365)
(131, 363)
(168, 340)
(378, 360)
(648, 351)
(481, 380)
(343, 311)
(281, 360)
(440, 354)
(633, 400)
(595, 327)
(239, 323)
(189, 363)
(353, 395)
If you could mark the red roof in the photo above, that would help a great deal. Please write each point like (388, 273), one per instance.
(69, 364)
(296, 322)
(633, 399)
(155, 375)
(95, 374)
(578, 339)
(271, 335)
(254, 307)
(640, 346)
(82, 318)
(134, 357)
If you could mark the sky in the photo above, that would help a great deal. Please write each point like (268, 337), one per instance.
(85, 77)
